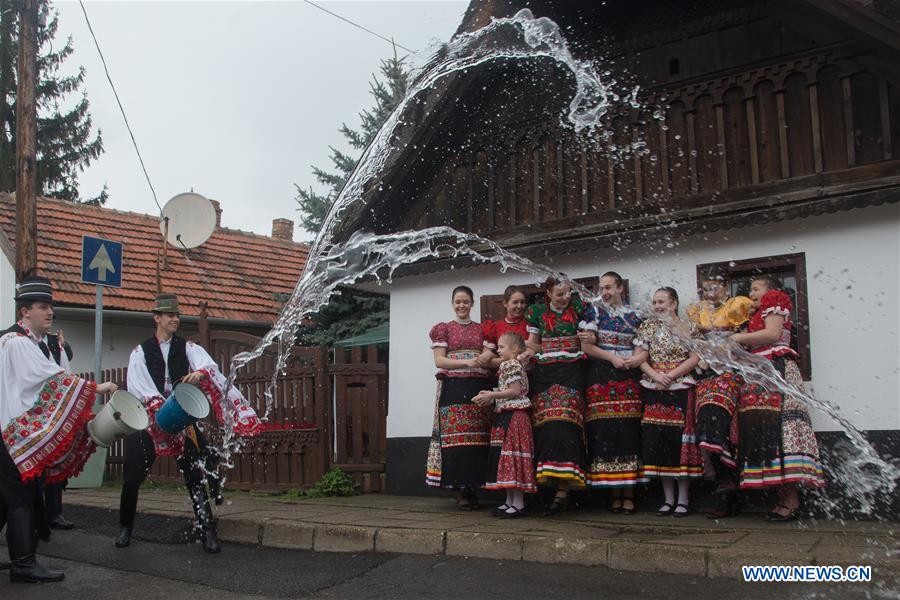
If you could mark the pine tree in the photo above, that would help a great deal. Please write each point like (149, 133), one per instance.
(65, 146)
(352, 312)
(387, 93)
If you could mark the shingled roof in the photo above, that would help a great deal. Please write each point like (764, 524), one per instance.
(242, 276)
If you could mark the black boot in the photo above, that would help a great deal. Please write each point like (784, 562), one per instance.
(124, 539)
(20, 535)
(4, 566)
(211, 541)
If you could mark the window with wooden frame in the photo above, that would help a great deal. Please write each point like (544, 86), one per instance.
(790, 270)
(492, 304)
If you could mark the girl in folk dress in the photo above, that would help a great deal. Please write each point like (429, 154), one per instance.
(670, 449)
(510, 463)
(614, 409)
(778, 446)
(717, 393)
(457, 455)
(557, 387)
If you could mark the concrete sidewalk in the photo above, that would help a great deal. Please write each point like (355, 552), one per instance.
(693, 545)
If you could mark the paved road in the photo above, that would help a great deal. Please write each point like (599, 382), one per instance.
(150, 569)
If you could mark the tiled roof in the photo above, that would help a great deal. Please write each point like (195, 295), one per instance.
(242, 276)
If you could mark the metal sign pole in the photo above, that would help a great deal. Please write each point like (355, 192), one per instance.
(98, 341)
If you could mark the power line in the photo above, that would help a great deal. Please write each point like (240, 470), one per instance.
(119, 102)
(346, 20)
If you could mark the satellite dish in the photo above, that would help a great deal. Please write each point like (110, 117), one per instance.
(191, 220)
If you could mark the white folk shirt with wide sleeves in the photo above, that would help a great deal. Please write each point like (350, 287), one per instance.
(141, 384)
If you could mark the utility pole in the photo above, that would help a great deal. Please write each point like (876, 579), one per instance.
(26, 142)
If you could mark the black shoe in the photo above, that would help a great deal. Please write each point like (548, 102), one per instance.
(5, 566)
(124, 539)
(211, 542)
(512, 513)
(60, 522)
(665, 510)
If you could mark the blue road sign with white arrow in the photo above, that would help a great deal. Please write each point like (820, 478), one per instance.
(101, 261)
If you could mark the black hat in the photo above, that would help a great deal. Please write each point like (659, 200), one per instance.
(34, 289)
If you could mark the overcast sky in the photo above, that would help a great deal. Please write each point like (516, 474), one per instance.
(234, 99)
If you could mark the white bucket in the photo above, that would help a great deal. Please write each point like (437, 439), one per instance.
(123, 415)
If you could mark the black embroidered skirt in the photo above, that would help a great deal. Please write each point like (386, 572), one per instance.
(558, 417)
(613, 425)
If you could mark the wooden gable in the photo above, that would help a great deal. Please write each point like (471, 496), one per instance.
(769, 110)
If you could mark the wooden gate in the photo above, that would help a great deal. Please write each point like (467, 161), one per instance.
(322, 415)
(360, 412)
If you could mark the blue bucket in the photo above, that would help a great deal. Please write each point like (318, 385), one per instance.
(185, 406)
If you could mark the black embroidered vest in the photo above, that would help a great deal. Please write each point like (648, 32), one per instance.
(156, 364)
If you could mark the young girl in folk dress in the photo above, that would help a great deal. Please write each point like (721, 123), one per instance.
(778, 445)
(457, 456)
(510, 462)
(557, 387)
(614, 409)
(670, 449)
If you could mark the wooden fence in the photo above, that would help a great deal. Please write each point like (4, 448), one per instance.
(322, 415)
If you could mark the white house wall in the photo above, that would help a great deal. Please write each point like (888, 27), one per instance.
(118, 342)
(852, 282)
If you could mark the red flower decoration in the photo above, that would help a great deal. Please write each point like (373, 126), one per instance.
(53, 385)
(45, 396)
(25, 433)
(59, 396)
(67, 381)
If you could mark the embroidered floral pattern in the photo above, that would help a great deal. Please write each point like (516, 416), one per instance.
(557, 330)
(511, 372)
(660, 414)
(722, 391)
(615, 331)
(463, 342)
(614, 400)
(778, 303)
(464, 425)
(558, 403)
(667, 352)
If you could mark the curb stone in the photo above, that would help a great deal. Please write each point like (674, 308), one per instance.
(590, 553)
(292, 535)
(484, 545)
(344, 538)
(242, 531)
(410, 541)
(643, 556)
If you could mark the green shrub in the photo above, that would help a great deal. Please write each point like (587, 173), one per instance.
(334, 483)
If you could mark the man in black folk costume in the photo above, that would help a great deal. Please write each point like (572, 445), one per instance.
(155, 368)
